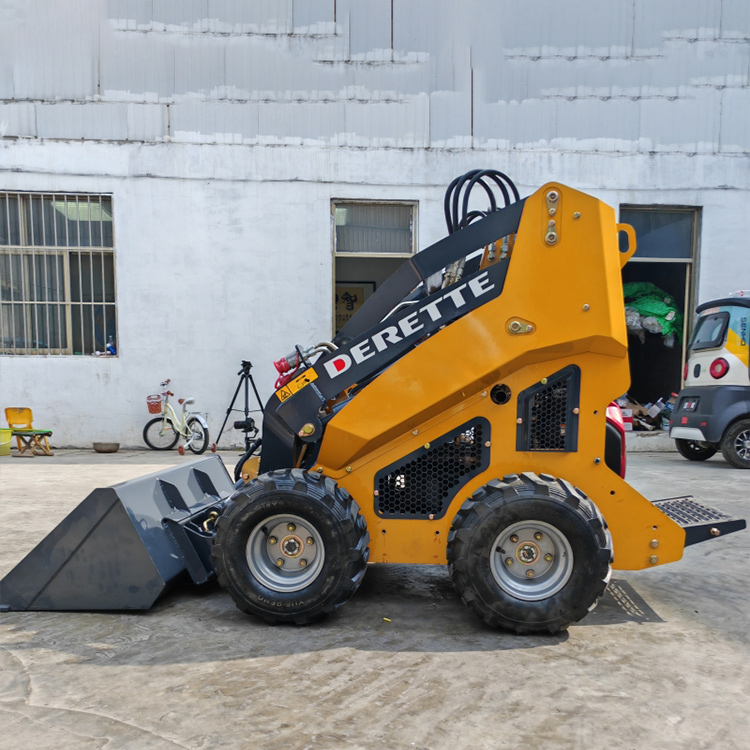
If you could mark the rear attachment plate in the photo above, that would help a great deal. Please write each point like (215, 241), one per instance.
(700, 522)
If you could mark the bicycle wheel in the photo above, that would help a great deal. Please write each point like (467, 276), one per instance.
(198, 439)
(160, 434)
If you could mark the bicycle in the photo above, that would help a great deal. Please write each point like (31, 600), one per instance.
(162, 433)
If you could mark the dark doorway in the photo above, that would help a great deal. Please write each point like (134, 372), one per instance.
(664, 258)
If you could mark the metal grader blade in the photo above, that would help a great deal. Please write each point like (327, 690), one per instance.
(121, 547)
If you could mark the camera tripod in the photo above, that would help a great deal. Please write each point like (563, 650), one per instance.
(247, 425)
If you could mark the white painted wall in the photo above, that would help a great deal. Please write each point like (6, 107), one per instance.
(224, 129)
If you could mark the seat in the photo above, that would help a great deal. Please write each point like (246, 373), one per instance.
(30, 441)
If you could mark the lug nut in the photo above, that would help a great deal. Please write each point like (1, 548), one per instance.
(272, 540)
(279, 562)
(509, 561)
(529, 574)
(290, 527)
(302, 563)
(548, 557)
(514, 539)
(538, 535)
(309, 540)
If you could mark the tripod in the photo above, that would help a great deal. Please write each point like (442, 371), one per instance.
(247, 425)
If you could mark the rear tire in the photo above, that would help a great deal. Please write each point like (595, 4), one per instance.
(199, 440)
(695, 450)
(735, 444)
(159, 439)
(530, 554)
(291, 546)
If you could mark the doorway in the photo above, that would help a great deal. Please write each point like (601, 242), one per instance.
(659, 283)
(371, 239)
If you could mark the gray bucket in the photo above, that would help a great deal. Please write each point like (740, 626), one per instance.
(122, 546)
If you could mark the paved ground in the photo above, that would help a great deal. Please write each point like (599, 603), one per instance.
(661, 663)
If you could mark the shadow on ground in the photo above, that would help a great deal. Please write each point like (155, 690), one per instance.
(399, 608)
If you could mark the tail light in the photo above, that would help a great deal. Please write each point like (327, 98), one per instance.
(685, 371)
(719, 368)
(614, 450)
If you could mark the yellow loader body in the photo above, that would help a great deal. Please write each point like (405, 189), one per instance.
(561, 305)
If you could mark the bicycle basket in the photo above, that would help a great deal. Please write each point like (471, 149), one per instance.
(154, 404)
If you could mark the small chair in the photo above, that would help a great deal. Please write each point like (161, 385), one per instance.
(31, 442)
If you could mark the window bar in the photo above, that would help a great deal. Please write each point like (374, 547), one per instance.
(91, 279)
(80, 272)
(56, 311)
(66, 281)
(20, 265)
(12, 317)
(46, 275)
(92, 297)
(101, 231)
(104, 302)
(34, 316)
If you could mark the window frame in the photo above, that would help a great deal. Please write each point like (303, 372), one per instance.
(59, 308)
(343, 202)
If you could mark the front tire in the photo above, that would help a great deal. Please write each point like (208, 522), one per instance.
(199, 436)
(160, 434)
(530, 554)
(735, 445)
(291, 547)
(695, 450)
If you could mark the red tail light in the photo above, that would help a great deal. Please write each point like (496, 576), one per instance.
(719, 368)
(685, 371)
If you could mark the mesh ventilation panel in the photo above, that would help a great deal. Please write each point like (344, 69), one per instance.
(546, 410)
(423, 483)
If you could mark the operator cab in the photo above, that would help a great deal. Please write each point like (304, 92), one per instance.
(713, 409)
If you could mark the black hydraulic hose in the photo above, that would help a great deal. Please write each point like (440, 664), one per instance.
(477, 179)
(446, 206)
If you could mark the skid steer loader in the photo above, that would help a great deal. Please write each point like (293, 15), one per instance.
(458, 418)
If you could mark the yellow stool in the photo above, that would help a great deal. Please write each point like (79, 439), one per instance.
(30, 441)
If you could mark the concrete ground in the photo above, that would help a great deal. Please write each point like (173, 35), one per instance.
(661, 663)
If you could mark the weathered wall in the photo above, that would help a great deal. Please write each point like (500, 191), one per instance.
(224, 128)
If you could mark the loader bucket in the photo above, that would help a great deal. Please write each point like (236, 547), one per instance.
(121, 547)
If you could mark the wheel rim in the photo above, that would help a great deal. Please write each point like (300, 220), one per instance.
(197, 436)
(742, 445)
(695, 446)
(285, 553)
(531, 560)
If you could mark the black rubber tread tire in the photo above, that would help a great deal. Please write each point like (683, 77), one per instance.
(525, 497)
(727, 444)
(158, 420)
(693, 451)
(201, 447)
(336, 517)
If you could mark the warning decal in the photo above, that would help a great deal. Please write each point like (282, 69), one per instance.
(297, 384)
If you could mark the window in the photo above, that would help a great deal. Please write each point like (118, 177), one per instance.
(370, 241)
(710, 331)
(57, 274)
(374, 228)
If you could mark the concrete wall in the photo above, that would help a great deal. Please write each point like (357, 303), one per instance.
(223, 129)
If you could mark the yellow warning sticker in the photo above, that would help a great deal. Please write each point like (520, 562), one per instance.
(297, 384)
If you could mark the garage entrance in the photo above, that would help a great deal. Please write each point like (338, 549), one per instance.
(660, 279)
